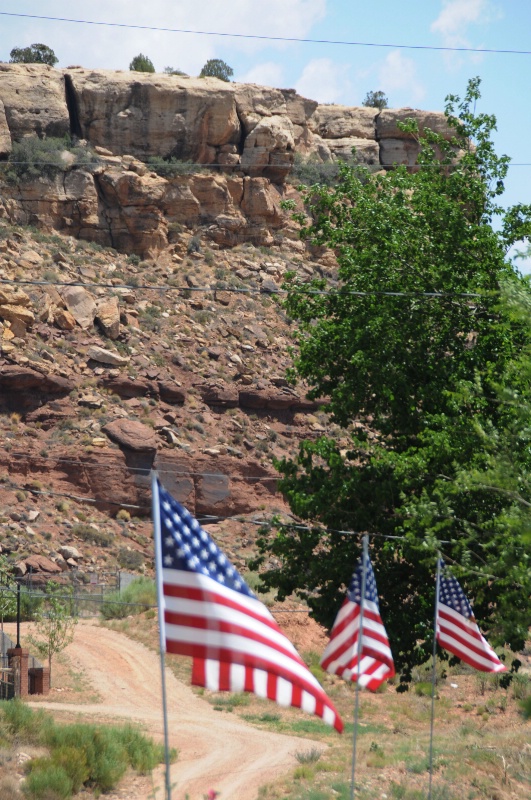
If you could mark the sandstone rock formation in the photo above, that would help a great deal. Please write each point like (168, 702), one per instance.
(248, 136)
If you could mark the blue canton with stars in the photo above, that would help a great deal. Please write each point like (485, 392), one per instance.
(451, 594)
(186, 546)
(354, 589)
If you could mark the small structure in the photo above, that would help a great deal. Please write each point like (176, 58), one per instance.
(20, 673)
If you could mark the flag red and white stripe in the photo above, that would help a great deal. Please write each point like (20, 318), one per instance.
(341, 655)
(210, 614)
(457, 630)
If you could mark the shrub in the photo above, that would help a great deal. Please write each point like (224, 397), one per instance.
(172, 166)
(216, 68)
(90, 534)
(141, 63)
(376, 99)
(34, 54)
(32, 157)
(48, 782)
(130, 559)
(139, 596)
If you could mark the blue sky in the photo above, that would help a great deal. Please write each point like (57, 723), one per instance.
(328, 73)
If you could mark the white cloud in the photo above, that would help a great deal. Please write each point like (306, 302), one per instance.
(454, 20)
(113, 48)
(267, 74)
(323, 80)
(398, 76)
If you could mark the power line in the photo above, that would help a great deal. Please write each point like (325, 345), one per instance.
(124, 468)
(263, 37)
(241, 290)
(195, 167)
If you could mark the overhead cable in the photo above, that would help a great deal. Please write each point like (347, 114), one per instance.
(263, 37)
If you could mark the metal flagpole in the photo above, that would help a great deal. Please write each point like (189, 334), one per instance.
(434, 671)
(365, 555)
(158, 570)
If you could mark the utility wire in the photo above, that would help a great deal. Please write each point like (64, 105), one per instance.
(299, 289)
(327, 165)
(59, 460)
(262, 37)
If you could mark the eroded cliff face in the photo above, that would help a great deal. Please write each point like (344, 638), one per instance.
(247, 134)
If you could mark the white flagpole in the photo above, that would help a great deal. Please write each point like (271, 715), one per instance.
(434, 670)
(365, 555)
(160, 603)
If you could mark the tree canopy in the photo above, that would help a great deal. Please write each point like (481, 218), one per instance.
(421, 349)
(376, 99)
(34, 54)
(216, 68)
(141, 63)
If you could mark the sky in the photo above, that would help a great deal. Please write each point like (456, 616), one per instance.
(329, 73)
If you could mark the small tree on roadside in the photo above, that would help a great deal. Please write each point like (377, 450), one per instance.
(141, 63)
(216, 68)
(34, 54)
(8, 600)
(376, 100)
(55, 622)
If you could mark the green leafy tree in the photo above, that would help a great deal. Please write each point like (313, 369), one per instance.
(141, 63)
(216, 68)
(414, 382)
(55, 622)
(376, 99)
(34, 54)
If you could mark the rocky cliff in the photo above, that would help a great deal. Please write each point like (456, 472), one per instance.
(246, 135)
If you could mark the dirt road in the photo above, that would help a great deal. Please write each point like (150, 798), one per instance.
(215, 751)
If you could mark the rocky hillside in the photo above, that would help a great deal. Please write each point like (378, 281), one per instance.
(140, 322)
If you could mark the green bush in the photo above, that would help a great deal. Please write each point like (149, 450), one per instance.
(48, 782)
(141, 63)
(33, 157)
(34, 54)
(130, 559)
(171, 167)
(23, 723)
(90, 534)
(79, 755)
(139, 596)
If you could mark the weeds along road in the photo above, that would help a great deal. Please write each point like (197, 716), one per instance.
(214, 750)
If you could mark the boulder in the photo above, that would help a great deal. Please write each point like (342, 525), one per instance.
(80, 304)
(64, 319)
(13, 296)
(37, 563)
(128, 387)
(68, 551)
(219, 394)
(108, 357)
(171, 393)
(132, 435)
(18, 314)
(108, 317)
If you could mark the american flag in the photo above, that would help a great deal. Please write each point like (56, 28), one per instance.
(457, 630)
(210, 613)
(341, 655)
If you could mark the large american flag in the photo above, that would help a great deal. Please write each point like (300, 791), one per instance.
(210, 613)
(457, 630)
(341, 654)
